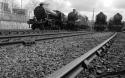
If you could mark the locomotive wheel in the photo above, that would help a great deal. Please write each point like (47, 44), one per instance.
(99, 28)
(41, 27)
(115, 28)
(33, 26)
(70, 26)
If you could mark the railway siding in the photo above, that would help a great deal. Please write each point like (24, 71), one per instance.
(31, 39)
(47, 56)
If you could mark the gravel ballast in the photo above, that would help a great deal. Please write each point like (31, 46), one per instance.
(42, 59)
(112, 63)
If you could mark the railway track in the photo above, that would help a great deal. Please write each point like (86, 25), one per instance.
(27, 31)
(45, 57)
(32, 38)
(112, 64)
(15, 32)
(74, 68)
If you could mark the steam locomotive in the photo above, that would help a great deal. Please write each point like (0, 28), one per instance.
(100, 23)
(77, 21)
(55, 20)
(115, 23)
(46, 19)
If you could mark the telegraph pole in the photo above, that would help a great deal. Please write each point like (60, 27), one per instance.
(21, 4)
(93, 14)
(93, 18)
(12, 7)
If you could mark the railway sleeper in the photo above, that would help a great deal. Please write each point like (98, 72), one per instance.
(5, 33)
(108, 72)
(112, 74)
(22, 32)
(95, 69)
(28, 42)
(0, 33)
(73, 69)
(15, 32)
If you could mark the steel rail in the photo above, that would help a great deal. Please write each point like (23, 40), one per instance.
(31, 41)
(28, 31)
(72, 69)
(7, 32)
(29, 35)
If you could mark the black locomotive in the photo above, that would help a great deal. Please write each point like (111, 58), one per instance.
(46, 19)
(77, 21)
(55, 20)
(115, 24)
(72, 18)
(100, 23)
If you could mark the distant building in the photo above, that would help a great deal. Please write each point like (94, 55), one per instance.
(8, 13)
(7, 7)
(4, 7)
(19, 11)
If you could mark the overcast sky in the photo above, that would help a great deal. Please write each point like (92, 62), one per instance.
(109, 7)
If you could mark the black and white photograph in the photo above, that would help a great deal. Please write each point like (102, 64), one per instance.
(62, 38)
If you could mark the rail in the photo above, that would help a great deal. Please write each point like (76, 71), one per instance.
(28, 35)
(74, 68)
(32, 41)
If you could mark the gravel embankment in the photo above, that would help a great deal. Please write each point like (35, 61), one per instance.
(113, 61)
(37, 61)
